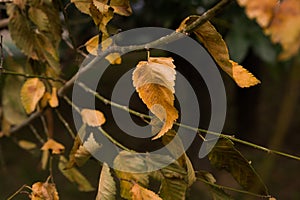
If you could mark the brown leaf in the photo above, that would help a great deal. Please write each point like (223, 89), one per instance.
(92, 45)
(262, 11)
(31, 92)
(285, 28)
(55, 147)
(27, 145)
(53, 101)
(83, 5)
(44, 191)
(216, 46)
(154, 80)
(121, 7)
(141, 193)
(92, 117)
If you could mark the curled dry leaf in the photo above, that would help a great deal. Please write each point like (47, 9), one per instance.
(92, 117)
(139, 193)
(216, 46)
(31, 92)
(55, 147)
(154, 81)
(45, 191)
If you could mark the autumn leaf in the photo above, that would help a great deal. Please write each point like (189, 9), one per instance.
(92, 117)
(83, 5)
(31, 92)
(154, 81)
(92, 47)
(44, 191)
(121, 7)
(140, 193)
(54, 146)
(27, 145)
(216, 46)
(53, 101)
(107, 186)
(280, 20)
(262, 11)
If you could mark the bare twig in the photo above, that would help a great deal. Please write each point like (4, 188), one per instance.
(65, 123)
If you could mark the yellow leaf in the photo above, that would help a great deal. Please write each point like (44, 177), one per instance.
(141, 193)
(53, 101)
(27, 145)
(44, 101)
(154, 81)
(121, 7)
(216, 46)
(55, 147)
(5, 127)
(83, 5)
(92, 117)
(114, 58)
(31, 92)
(44, 191)
(242, 76)
(285, 28)
(262, 11)
(92, 45)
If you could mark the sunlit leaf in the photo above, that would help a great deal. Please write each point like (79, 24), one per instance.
(114, 58)
(92, 45)
(216, 192)
(262, 11)
(44, 191)
(140, 193)
(107, 186)
(285, 28)
(225, 156)
(154, 81)
(73, 175)
(92, 117)
(31, 92)
(121, 7)
(83, 5)
(216, 46)
(53, 101)
(55, 147)
(27, 145)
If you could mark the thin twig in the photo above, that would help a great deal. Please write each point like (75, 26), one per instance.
(45, 127)
(65, 123)
(230, 137)
(232, 189)
(7, 72)
(18, 191)
(38, 137)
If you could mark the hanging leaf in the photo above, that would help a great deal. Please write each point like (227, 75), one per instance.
(107, 186)
(262, 11)
(285, 28)
(176, 148)
(44, 191)
(280, 20)
(55, 147)
(27, 145)
(140, 193)
(216, 46)
(225, 156)
(53, 101)
(31, 92)
(126, 163)
(74, 176)
(92, 45)
(121, 7)
(216, 192)
(154, 81)
(83, 5)
(92, 117)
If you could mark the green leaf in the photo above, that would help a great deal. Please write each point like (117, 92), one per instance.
(126, 163)
(13, 110)
(74, 176)
(107, 185)
(225, 156)
(176, 148)
(216, 192)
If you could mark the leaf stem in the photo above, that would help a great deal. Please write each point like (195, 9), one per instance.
(232, 189)
(65, 123)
